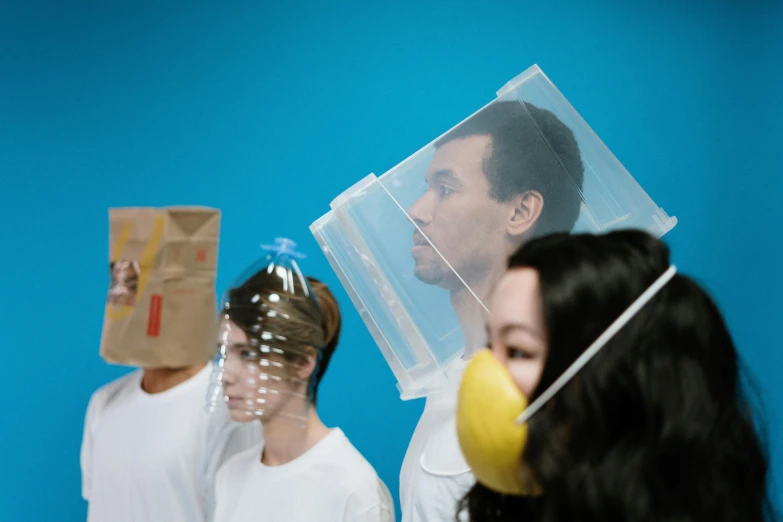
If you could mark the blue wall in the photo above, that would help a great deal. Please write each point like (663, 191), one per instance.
(269, 111)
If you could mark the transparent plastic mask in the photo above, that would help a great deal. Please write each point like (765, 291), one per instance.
(269, 340)
(419, 248)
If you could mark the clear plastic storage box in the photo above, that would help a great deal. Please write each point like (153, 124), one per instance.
(419, 247)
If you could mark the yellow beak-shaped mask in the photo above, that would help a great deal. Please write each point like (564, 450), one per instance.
(490, 438)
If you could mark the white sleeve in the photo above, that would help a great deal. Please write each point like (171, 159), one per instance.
(381, 509)
(379, 513)
(214, 503)
(85, 459)
(99, 401)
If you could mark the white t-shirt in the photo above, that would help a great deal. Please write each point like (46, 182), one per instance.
(331, 482)
(153, 457)
(434, 475)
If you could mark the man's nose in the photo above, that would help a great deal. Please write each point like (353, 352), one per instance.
(421, 210)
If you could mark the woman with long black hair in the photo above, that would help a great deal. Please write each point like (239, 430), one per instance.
(656, 427)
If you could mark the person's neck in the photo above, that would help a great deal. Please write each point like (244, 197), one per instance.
(286, 440)
(470, 312)
(157, 380)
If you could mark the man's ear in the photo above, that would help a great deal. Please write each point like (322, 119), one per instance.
(525, 210)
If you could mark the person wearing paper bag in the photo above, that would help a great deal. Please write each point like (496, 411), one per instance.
(150, 449)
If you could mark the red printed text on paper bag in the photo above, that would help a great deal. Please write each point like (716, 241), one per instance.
(153, 323)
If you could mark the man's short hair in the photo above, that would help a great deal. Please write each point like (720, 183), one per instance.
(531, 149)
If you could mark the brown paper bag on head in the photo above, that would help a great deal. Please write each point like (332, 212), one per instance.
(161, 306)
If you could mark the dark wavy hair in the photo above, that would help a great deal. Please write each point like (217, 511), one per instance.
(531, 150)
(658, 426)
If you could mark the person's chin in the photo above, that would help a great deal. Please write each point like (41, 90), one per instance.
(237, 410)
(428, 275)
(239, 415)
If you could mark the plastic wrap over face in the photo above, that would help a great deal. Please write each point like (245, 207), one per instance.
(269, 340)
(419, 248)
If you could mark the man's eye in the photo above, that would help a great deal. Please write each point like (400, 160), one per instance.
(444, 191)
(247, 355)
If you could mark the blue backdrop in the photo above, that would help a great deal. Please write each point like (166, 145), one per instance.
(268, 110)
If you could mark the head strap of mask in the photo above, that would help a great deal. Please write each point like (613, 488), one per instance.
(599, 343)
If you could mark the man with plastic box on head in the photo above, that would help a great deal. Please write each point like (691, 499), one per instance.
(493, 182)
(278, 332)
(150, 450)
(523, 166)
